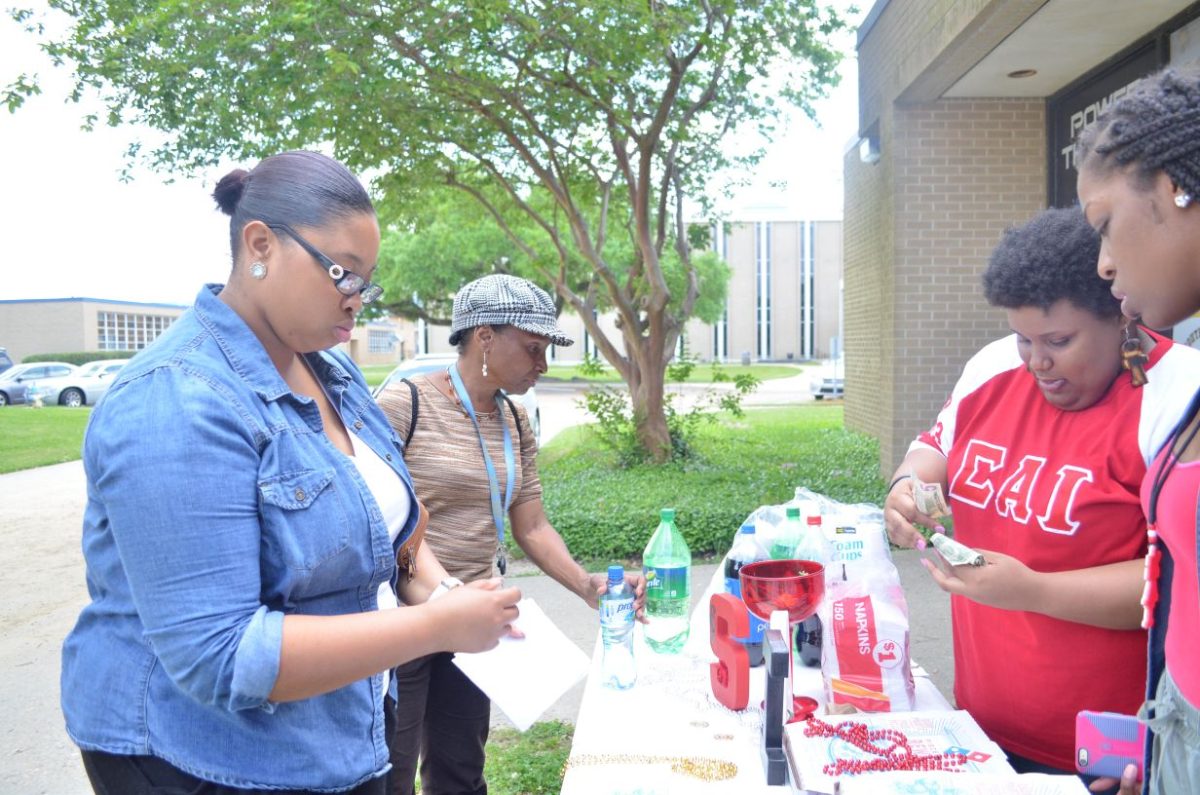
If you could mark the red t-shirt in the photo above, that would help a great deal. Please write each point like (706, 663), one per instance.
(1058, 490)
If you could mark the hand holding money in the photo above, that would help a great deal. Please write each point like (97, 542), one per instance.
(956, 554)
(929, 498)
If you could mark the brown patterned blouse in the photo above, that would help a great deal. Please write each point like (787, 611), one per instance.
(449, 474)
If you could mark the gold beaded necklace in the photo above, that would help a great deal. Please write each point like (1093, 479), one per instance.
(705, 768)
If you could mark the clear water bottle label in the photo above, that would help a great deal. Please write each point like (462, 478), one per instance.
(667, 583)
(616, 610)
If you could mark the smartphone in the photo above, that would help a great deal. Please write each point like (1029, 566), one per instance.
(1105, 742)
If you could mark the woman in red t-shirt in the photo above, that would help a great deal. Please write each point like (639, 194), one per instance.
(1041, 449)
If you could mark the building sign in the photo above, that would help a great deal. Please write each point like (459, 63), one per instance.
(1071, 111)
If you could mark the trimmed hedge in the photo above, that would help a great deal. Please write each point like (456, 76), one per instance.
(77, 357)
(605, 512)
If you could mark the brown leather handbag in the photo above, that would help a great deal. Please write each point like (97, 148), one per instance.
(406, 558)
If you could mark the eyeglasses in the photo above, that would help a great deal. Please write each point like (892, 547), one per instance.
(346, 281)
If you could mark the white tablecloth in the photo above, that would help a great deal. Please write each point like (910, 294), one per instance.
(622, 737)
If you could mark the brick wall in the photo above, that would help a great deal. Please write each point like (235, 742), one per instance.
(920, 225)
(868, 254)
(904, 40)
(966, 170)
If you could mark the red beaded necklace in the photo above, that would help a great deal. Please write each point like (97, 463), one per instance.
(1153, 564)
(898, 755)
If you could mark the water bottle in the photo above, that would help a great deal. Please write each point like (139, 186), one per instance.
(746, 549)
(789, 535)
(667, 563)
(813, 546)
(618, 669)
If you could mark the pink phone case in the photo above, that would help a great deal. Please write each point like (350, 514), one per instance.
(1105, 742)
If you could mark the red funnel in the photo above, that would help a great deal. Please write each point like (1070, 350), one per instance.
(792, 585)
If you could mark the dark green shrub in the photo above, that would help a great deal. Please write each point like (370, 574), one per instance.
(616, 422)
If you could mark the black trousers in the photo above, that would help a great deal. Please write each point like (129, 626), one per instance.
(118, 774)
(443, 718)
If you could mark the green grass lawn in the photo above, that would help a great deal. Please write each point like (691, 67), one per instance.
(375, 373)
(701, 374)
(32, 437)
(529, 763)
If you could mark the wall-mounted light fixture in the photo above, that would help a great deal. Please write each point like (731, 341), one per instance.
(868, 149)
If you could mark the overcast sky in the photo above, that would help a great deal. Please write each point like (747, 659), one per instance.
(72, 228)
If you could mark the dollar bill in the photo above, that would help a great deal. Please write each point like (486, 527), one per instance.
(956, 554)
(929, 498)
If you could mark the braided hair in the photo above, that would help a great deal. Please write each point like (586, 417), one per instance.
(1155, 127)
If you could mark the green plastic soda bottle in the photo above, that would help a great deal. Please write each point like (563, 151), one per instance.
(789, 536)
(667, 564)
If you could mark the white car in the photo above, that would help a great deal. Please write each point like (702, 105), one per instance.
(428, 362)
(21, 383)
(828, 388)
(90, 382)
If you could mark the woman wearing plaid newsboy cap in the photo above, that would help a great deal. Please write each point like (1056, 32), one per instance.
(472, 455)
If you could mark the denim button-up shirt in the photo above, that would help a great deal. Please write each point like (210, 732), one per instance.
(216, 506)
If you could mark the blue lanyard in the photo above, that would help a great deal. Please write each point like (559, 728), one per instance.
(498, 513)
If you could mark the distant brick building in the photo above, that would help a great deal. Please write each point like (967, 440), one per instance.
(67, 325)
(783, 300)
(968, 110)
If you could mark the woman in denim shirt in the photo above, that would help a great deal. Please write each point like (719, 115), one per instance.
(1139, 184)
(246, 502)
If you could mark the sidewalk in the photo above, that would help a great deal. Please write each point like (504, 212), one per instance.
(44, 590)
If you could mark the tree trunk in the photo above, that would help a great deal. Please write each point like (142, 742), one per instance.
(646, 389)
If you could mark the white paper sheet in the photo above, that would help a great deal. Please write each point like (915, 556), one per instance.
(963, 784)
(927, 732)
(524, 677)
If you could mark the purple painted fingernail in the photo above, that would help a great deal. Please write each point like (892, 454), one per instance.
(921, 543)
(937, 528)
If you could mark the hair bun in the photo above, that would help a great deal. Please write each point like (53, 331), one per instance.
(229, 190)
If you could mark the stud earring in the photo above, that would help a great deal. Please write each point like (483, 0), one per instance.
(485, 364)
(1183, 200)
(258, 271)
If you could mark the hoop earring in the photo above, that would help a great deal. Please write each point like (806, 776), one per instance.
(258, 271)
(485, 363)
(1183, 200)
(1133, 358)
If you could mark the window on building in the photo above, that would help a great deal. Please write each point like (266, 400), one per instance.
(720, 338)
(128, 331)
(808, 295)
(381, 341)
(762, 274)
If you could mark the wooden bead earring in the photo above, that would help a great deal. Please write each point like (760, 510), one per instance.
(1133, 358)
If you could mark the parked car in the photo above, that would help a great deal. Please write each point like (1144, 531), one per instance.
(428, 362)
(90, 382)
(5, 360)
(828, 387)
(48, 378)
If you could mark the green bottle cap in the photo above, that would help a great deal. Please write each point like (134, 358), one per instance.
(667, 514)
(793, 512)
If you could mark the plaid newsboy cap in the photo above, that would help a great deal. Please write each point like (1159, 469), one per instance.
(504, 300)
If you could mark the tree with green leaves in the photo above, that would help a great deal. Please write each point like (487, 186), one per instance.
(580, 128)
